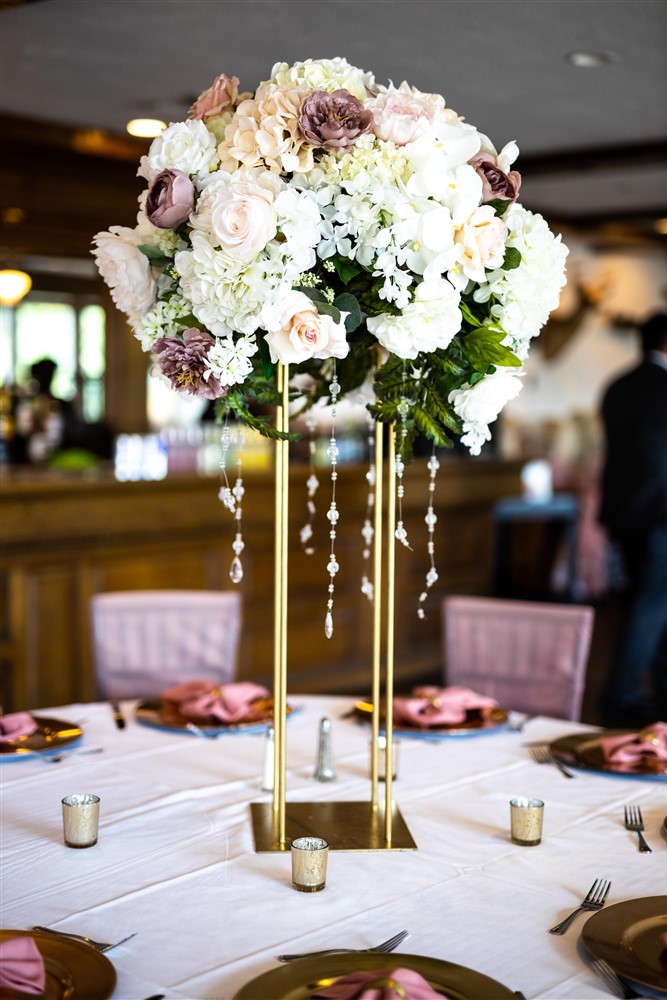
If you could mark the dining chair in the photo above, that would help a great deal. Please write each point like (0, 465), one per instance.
(528, 655)
(145, 640)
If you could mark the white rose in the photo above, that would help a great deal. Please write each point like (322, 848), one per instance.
(125, 270)
(482, 238)
(297, 332)
(239, 214)
(482, 402)
(186, 146)
(427, 323)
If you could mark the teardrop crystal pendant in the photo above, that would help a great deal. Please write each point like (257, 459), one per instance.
(236, 570)
(328, 625)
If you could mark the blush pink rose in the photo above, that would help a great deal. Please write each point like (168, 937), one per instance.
(482, 238)
(221, 96)
(243, 219)
(401, 115)
(297, 331)
(170, 200)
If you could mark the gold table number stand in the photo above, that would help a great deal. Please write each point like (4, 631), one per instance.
(374, 825)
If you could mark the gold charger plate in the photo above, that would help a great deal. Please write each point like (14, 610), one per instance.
(165, 715)
(51, 734)
(627, 936)
(298, 980)
(584, 750)
(474, 724)
(74, 971)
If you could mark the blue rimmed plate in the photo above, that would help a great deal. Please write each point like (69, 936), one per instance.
(50, 736)
(476, 724)
(157, 714)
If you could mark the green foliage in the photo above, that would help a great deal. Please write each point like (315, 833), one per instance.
(346, 302)
(156, 256)
(268, 366)
(346, 269)
(483, 348)
(512, 259)
(499, 205)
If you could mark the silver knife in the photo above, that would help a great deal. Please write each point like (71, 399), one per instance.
(118, 716)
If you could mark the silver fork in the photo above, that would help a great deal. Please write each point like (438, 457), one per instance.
(543, 755)
(386, 946)
(59, 757)
(635, 823)
(614, 983)
(595, 900)
(98, 945)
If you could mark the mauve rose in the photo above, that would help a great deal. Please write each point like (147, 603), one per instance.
(220, 96)
(170, 199)
(183, 362)
(333, 121)
(495, 182)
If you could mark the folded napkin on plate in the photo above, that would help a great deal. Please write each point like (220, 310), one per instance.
(634, 748)
(379, 984)
(18, 724)
(22, 966)
(200, 701)
(434, 706)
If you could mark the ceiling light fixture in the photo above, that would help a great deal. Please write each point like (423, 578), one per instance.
(145, 128)
(590, 60)
(13, 286)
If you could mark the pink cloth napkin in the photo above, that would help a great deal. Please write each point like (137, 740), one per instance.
(633, 748)
(22, 966)
(16, 725)
(200, 701)
(377, 985)
(434, 706)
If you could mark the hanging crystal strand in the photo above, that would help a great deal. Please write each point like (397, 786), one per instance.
(368, 531)
(312, 484)
(403, 410)
(431, 519)
(238, 545)
(332, 513)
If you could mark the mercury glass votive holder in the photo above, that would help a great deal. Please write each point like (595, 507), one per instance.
(309, 863)
(526, 817)
(80, 819)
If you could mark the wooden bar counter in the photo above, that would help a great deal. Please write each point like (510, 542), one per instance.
(66, 537)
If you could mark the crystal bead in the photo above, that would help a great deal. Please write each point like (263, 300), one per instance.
(328, 625)
(370, 476)
(238, 545)
(400, 467)
(306, 533)
(433, 464)
(421, 613)
(332, 567)
(366, 553)
(332, 451)
(334, 389)
(310, 506)
(422, 596)
(333, 514)
(403, 408)
(312, 483)
(367, 532)
(236, 570)
(225, 495)
(431, 577)
(238, 490)
(400, 492)
(431, 518)
(401, 533)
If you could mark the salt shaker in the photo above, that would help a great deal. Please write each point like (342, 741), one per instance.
(323, 769)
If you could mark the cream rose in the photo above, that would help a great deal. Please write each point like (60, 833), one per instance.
(482, 239)
(296, 331)
(401, 115)
(239, 214)
(126, 270)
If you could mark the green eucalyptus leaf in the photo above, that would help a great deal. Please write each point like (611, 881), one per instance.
(347, 303)
(512, 259)
(345, 269)
(499, 205)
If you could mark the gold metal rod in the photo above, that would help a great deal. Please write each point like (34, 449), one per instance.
(377, 610)
(391, 594)
(284, 579)
(278, 717)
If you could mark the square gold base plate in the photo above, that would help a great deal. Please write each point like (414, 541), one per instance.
(347, 826)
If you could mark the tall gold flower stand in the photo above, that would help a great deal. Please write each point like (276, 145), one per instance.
(376, 824)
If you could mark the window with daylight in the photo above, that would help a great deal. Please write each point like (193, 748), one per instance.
(68, 328)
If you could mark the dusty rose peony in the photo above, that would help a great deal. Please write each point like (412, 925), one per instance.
(171, 199)
(221, 96)
(183, 362)
(333, 121)
(495, 182)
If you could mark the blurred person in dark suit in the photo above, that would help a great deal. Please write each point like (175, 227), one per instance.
(634, 511)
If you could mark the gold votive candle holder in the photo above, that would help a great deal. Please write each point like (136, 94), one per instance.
(80, 820)
(526, 817)
(309, 863)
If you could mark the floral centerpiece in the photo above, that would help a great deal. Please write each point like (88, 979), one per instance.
(333, 224)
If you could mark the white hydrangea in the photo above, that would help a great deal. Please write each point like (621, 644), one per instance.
(324, 74)
(429, 322)
(229, 360)
(165, 319)
(527, 294)
(478, 405)
(186, 146)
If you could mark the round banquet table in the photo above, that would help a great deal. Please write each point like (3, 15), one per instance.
(175, 860)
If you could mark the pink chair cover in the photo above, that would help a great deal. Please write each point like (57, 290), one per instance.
(528, 655)
(145, 640)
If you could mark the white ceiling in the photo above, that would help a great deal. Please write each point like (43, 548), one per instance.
(500, 63)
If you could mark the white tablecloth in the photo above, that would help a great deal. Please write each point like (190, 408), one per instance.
(175, 859)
